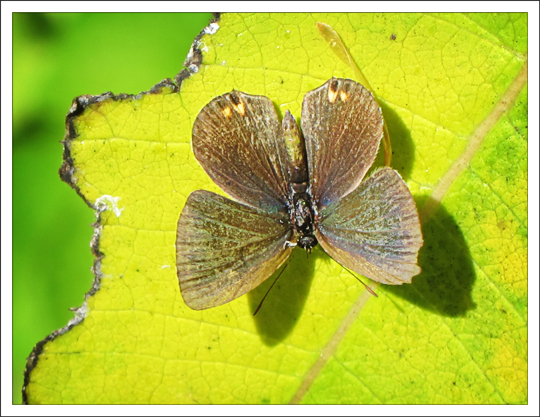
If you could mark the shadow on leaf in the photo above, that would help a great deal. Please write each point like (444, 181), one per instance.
(402, 144)
(448, 276)
(285, 302)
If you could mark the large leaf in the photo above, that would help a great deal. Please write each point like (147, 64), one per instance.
(51, 228)
(453, 91)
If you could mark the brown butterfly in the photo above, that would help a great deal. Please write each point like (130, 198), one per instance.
(291, 188)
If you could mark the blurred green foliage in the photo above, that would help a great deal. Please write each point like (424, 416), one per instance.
(56, 57)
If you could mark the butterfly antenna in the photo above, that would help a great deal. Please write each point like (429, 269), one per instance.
(367, 288)
(260, 304)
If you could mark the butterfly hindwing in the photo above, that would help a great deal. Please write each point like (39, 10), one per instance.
(375, 230)
(224, 248)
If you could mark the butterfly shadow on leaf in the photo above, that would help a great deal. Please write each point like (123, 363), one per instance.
(448, 275)
(285, 302)
(402, 143)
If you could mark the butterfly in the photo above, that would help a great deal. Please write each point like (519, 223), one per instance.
(292, 188)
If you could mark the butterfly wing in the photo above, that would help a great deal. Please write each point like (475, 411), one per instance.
(375, 230)
(342, 126)
(237, 139)
(224, 248)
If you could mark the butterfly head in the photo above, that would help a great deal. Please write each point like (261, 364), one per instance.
(307, 242)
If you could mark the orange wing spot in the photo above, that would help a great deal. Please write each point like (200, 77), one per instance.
(332, 95)
(343, 95)
(240, 108)
(227, 112)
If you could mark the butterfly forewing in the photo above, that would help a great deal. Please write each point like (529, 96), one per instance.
(224, 248)
(237, 139)
(375, 230)
(342, 126)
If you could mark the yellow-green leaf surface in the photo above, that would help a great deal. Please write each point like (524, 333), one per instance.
(453, 89)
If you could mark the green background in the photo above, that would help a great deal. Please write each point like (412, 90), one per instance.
(56, 57)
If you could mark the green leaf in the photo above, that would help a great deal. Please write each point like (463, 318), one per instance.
(453, 89)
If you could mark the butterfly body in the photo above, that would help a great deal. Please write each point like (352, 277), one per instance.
(292, 187)
(303, 220)
(300, 204)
